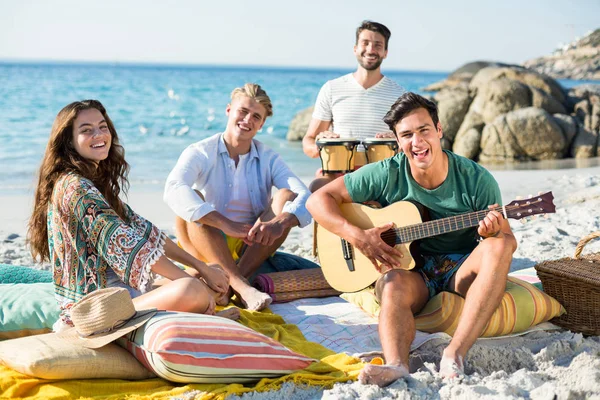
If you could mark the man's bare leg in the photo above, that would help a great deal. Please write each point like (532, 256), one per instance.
(322, 180)
(195, 239)
(256, 254)
(402, 293)
(482, 280)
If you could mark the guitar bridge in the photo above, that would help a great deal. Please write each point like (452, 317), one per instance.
(348, 252)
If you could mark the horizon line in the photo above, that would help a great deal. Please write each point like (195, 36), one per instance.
(153, 64)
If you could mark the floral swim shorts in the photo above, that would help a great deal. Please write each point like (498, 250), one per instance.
(438, 270)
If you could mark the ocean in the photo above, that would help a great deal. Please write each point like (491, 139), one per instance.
(157, 110)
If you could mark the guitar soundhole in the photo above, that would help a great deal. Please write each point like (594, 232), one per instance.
(389, 237)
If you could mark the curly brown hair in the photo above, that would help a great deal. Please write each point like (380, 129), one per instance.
(109, 175)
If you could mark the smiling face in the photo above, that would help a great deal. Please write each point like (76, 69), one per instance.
(370, 50)
(91, 135)
(246, 118)
(420, 140)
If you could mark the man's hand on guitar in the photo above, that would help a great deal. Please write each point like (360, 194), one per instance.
(383, 256)
(490, 225)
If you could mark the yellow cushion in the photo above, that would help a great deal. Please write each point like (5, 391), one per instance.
(49, 357)
(522, 306)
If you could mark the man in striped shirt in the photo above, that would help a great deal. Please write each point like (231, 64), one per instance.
(353, 106)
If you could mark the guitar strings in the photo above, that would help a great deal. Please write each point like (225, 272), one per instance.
(411, 230)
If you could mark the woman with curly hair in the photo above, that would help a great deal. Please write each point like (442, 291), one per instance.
(92, 238)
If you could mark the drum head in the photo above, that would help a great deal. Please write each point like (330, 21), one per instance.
(337, 142)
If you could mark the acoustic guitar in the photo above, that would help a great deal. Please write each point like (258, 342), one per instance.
(348, 270)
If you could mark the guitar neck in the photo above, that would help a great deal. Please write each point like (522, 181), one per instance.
(440, 226)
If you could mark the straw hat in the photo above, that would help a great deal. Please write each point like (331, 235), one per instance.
(104, 316)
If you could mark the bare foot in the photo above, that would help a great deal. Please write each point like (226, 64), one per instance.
(381, 375)
(232, 313)
(253, 299)
(451, 367)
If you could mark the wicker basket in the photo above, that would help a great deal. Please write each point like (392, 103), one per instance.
(575, 283)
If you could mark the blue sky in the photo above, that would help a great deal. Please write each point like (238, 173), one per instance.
(426, 35)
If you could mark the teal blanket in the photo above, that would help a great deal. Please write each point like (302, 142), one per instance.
(18, 274)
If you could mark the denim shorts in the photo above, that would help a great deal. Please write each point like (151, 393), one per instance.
(281, 262)
(438, 270)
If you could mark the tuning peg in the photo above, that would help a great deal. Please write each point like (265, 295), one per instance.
(533, 218)
(545, 216)
(530, 196)
(523, 221)
(540, 193)
(519, 198)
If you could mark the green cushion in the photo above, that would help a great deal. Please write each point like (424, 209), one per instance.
(27, 309)
(17, 274)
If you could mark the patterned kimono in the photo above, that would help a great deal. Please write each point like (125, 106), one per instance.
(86, 238)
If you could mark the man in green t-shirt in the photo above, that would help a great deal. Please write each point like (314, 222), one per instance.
(447, 185)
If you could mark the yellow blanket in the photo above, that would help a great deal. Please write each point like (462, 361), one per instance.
(330, 369)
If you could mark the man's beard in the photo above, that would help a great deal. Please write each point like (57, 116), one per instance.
(370, 67)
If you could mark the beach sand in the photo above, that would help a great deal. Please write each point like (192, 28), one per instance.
(540, 365)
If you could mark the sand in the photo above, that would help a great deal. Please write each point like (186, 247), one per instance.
(540, 365)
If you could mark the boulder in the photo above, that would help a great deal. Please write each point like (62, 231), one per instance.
(525, 76)
(299, 125)
(568, 125)
(585, 144)
(542, 100)
(586, 105)
(525, 134)
(462, 75)
(468, 143)
(500, 96)
(453, 105)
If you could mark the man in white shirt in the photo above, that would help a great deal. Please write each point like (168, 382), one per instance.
(353, 106)
(220, 190)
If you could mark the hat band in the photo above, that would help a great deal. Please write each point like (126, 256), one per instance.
(118, 324)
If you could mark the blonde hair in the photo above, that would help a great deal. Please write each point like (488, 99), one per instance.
(255, 92)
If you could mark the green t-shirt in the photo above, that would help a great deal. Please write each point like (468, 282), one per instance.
(468, 187)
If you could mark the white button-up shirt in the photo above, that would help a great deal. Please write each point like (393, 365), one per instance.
(206, 166)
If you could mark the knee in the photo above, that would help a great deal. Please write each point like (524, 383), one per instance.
(194, 294)
(315, 185)
(391, 283)
(499, 248)
(181, 228)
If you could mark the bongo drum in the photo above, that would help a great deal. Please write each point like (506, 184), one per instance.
(378, 149)
(337, 155)
(360, 156)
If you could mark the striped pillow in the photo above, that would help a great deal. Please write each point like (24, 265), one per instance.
(197, 348)
(522, 307)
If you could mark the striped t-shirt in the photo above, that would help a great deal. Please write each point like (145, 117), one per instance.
(355, 111)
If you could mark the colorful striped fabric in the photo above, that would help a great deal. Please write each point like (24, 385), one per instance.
(522, 307)
(197, 348)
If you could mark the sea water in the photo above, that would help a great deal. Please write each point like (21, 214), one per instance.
(157, 110)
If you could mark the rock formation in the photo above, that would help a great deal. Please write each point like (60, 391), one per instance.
(577, 60)
(511, 113)
(299, 125)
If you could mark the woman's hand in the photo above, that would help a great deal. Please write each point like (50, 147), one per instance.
(216, 277)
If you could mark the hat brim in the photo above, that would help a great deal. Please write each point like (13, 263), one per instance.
(95, 341)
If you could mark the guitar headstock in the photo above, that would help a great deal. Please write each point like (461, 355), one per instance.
(534, 205)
